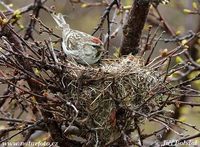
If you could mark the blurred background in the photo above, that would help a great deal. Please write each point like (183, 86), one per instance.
(83, 17)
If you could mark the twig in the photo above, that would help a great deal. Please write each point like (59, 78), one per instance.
(106, 15)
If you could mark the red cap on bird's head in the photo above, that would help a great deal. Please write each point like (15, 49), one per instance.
(96, 40)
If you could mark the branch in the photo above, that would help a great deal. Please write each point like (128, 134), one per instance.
(133, 29)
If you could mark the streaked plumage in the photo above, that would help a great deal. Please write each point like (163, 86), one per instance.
(84, 48)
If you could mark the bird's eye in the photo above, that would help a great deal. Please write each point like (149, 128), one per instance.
(96, 46)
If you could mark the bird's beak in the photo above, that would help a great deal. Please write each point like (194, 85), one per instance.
(102, 49)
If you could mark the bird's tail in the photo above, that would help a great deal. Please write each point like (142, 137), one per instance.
(59, 19)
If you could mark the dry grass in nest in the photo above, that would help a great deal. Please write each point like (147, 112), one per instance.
(107, 96)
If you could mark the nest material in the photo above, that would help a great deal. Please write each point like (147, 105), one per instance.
(104, 95)
(124, 80)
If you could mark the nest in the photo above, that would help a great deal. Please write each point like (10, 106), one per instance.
(108, 96)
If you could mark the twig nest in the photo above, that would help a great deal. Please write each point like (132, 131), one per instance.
(107, 96)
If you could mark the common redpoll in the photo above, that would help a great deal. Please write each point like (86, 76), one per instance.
(82, 47)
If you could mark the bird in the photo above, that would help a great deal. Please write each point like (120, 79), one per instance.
(82, 47)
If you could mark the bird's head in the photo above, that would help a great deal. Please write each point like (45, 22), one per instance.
(92, 50)
(97, 44)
